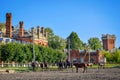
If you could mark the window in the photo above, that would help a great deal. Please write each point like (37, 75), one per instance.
(74, 60)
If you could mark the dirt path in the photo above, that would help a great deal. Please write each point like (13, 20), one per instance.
(91, 74)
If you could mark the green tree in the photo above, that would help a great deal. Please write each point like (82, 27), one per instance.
(74, 41)
(112, 56)
(55, 41)
(116, 56)
(27, 53)
(22, 53)
(84, 45)
(4, 54)
(7, 52)
(107, 55)
(50, 36)
(62, 44)
(37, 53)
(2, 26)
(58, 43)
(95, 43)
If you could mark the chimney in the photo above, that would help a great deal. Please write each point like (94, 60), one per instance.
(9, 25)
(21, 34)
(38, 31)
(42, 31)
(45, 34)
(33, 30)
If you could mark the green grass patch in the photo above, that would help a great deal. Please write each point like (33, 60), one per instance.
(112, 65)
(108, 65)
(52, 68)
(27, 69)
(17, 69)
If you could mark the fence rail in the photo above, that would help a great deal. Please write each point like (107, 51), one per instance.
(15, 64)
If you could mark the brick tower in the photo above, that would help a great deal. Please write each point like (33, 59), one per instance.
(21, 34)
(9, 25)
(108, 41)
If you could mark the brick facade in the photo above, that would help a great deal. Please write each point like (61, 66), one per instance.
(40, 36)
(21, 34)
(9, 25)
(95, 56)
(108, 41)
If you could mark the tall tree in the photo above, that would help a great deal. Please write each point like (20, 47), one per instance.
(74, 41)
(95, 43)
(55, 41)
(58, 43)
(50, 36)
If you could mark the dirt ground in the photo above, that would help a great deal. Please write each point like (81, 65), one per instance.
(69, 74)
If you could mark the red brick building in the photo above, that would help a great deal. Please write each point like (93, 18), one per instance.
(40, 36)
(108, 41)
(83, 56)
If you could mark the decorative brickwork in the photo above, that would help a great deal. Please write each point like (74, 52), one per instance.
(9, 25)
(21, 34)
(40, 36)
(108, 41)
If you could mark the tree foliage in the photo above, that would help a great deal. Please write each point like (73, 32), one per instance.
(50, 36)
(55, 41)
(112, 56)
(2, 26)
(22, 53)
(95, 43)
(74, 41)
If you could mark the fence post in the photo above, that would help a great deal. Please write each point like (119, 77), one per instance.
(2, 64)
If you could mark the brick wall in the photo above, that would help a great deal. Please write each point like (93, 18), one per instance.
(95, 56)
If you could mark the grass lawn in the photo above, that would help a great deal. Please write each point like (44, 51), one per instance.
(108, 65)
(22, 69)
(113, 65)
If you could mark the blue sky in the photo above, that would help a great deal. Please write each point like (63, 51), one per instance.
(88, 18)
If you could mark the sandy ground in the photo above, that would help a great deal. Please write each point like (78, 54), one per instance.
(91, 74)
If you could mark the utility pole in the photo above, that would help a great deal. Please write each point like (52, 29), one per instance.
(89, 57)
(33, 44)
(89, 53)
(69, 49)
